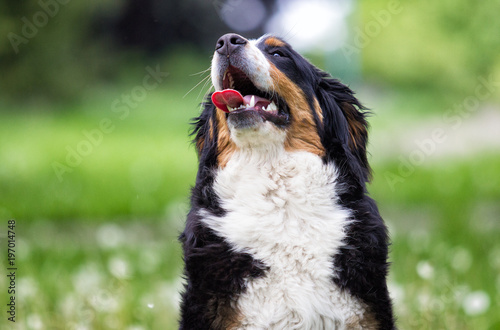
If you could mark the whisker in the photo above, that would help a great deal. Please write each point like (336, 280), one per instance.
(201, 72)
(203, 80)
(207, 81)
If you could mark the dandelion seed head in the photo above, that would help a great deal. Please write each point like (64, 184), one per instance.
(119, 268)
(476, 303)
(87, 280)
(110, 236)
(104, 301)
(28, 288)
(425, 270)
(34, 321)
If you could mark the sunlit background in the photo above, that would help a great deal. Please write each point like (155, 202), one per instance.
(96, 162)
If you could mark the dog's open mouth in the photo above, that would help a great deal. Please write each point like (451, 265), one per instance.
(240, 96)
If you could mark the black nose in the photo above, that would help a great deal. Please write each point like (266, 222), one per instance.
(228, 43)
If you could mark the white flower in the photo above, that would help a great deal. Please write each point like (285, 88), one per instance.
(119, 268)
(396, 292)
(28, 288)
(87, 280)
(425, 270)
(476, 303)
(104, 301)
(110, 236)
(34, 321)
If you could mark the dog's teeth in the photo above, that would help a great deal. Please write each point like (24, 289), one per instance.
(231, 81)
(272, 107)
(264, 108)
(252, 101)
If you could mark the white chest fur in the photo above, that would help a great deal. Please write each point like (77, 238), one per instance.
(282, 210)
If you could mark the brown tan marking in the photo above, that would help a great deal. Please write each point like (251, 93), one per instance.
(211, 128)
(224, 315)
(199, 145)
(274, 42)
(366, 322)
(201, 141)
(302, 134)
(319, 112)
(225, 146)
(357, 129)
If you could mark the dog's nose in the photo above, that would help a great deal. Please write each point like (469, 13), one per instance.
(228, 43)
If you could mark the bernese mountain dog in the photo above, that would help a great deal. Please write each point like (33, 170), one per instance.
(282, 233)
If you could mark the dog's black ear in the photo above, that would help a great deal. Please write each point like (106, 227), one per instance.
(344, 119)
(358, 131)
(212, 136)
(203, 128)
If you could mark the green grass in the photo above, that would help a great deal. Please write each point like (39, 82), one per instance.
(444, 226)
(125, 273)
(116, 275)
(146, 160)
(98, 248)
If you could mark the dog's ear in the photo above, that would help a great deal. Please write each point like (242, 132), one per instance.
(344, 118)
(203, 128)
(358, 130)
(212, 136)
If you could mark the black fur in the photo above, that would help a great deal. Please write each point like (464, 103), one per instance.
(215, 273)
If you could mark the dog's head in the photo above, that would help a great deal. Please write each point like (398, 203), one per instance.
(268, 95)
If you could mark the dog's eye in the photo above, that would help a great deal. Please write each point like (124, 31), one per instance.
(277, 53)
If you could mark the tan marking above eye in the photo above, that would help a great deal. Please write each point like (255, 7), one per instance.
(274, 42)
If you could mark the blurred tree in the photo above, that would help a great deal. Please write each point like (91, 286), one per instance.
(54, 49)
(439, 45)
(47, 52)
(156, 25)
(477, 26)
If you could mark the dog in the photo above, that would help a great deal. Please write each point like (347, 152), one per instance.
(281, 233)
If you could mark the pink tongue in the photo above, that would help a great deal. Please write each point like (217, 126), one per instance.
(233, 98)
(227, 97)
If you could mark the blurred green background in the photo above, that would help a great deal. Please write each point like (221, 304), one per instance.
(96, 162)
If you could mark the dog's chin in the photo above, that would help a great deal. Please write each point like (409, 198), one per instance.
(249, 129)
(243, 120)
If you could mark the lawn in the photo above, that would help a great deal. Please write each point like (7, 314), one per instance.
(99, 206)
